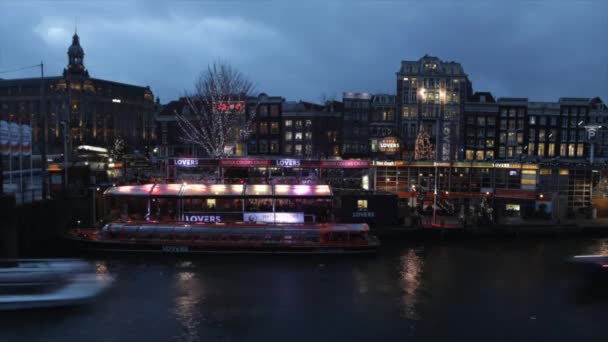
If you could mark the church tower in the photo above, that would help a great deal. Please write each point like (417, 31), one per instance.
(75, 59)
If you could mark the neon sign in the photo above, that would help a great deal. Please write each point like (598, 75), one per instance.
(288, 162)
(202, 218)
(186, 162)
(230, 106)
(389, 145)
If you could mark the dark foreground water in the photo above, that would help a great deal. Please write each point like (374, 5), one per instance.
(481, 290)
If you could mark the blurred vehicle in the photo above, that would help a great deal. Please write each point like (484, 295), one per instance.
(35, 283)
(591, 263)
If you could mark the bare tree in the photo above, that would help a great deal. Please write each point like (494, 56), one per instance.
(214, 114)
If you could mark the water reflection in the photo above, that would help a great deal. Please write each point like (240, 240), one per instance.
(188, 300)
(410, 280)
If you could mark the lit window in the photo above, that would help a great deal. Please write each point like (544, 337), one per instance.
(298, 135)
(362, 205)
(211, 203)
(288, 136)
(564, 172)
(288, 123)
(579, 150)
(541, 149)
(274, 127)
(298, 149)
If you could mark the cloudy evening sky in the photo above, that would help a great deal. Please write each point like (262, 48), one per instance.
(303, 49)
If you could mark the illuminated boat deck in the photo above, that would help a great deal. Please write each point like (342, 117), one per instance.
(220, 190)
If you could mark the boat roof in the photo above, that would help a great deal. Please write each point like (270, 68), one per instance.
(220, 190)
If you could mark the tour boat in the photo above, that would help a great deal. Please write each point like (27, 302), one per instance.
(36, 283)
(224, 218)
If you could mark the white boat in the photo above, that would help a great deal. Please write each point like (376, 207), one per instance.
(36, 283)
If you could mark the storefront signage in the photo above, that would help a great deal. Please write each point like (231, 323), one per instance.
(270, 217)
(389, 163)
(345, 164)
(244, 162)
(507, 165)
(441, 164)
(446, 141)
(205, 218)
(288, 162)
(389, 145)
(186, 162)
(364, 214)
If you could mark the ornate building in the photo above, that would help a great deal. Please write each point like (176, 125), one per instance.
(96, 111)
(431, 93)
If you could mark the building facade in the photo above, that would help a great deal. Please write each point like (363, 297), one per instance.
(383, 125)
(431, 94)
(481, 127)
(267, 123)
(311, 130)
(95, 111)
(519, 129)
(355, 125)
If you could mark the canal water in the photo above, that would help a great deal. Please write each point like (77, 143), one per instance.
(475, 290)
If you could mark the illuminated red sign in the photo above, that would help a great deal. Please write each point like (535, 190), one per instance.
(230, 106)
(244, 162)
(345, 164)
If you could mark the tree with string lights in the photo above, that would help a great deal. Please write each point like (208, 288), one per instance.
(213, 117)
(423, 150)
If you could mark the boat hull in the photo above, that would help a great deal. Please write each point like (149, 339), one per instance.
(170, 247)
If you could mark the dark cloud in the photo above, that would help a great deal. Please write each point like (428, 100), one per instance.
(301, 50)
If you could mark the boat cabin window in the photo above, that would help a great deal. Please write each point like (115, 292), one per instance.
(163, 209)
(258, 205)
(126, 208)
(212, 205)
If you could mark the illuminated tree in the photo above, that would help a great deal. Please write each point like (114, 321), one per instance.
(118, 149)
(214, 115)
(423, 149)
